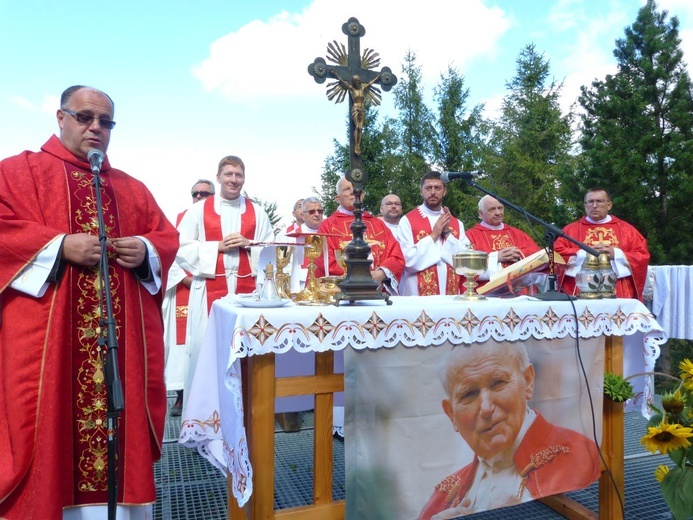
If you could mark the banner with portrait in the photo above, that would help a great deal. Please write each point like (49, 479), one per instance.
(508, 433)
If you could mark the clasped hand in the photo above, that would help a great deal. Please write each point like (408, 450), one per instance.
(231, 241)
(85, 249)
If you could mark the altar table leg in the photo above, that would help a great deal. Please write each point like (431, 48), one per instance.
(611, 493)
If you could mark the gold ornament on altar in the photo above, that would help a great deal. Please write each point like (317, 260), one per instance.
(283, 280)
(341, 257)
(470, 264)
(312, 293)
(329, 287)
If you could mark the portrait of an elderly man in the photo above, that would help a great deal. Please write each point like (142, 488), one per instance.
(518, 454)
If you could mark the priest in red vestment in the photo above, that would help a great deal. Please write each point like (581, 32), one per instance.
(625, 246)
(53, 438)
(388, 260)
(504, 244)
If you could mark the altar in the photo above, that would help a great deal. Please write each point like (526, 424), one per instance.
(235, 430)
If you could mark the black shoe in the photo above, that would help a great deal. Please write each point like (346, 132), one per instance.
(176, 409)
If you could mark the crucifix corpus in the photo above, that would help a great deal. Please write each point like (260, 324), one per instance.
(354, 75)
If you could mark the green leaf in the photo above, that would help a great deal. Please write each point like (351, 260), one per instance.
(677, 490)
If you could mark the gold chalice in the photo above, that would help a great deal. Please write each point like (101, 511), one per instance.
(470, 264)
(329, 286)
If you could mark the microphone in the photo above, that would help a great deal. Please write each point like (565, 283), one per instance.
(449, 176)
(95, 157)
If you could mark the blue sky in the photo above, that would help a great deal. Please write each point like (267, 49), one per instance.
(195, 80)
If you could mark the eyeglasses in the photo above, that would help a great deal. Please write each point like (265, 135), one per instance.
(596, 202)
(86, 119)
(196, 194)
(314, 211)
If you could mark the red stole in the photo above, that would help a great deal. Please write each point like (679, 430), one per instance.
(217, 286)
(89, 395)
(428, 283)
(182, 298)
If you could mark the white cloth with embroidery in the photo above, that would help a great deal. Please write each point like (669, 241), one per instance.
(213, 416)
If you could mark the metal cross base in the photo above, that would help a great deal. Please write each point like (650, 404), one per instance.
(359, 284)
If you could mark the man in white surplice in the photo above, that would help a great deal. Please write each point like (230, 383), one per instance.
(429, 236)
(215, 239)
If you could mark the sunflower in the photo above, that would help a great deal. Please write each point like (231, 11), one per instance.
(666, 437)
(686, 368)
(673, 402)
(661, 472)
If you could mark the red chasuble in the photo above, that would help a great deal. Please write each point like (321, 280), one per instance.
(384, 247)
(428, 282)
(217, 287)
(52, 391)
(617, 233)
(490, 240)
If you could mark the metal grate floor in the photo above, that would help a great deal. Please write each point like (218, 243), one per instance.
(190, 488)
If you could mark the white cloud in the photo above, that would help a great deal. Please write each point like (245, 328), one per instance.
(267, 59)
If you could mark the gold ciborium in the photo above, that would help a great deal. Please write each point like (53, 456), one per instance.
(329, 286)
(470, 264)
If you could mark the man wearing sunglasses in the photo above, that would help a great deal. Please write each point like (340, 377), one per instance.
(312, 214)
(175, 309)
(623, 244)
(53, 441)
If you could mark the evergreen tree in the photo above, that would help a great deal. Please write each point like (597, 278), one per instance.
(415, 134)
(531, 143)
(460, 141)
(637, 135)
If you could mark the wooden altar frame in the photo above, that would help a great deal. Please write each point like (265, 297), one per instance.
(261, 387)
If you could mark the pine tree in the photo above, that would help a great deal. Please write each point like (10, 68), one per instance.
(531, 142)
(637, 135)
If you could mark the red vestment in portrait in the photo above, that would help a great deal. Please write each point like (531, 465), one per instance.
(51, 409)
(384, 247)
(550, 460)
(617, 233)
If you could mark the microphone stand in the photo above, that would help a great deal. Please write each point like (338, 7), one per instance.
(551, 233)
(107, 338)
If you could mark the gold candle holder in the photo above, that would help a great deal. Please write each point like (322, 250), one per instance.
(283, 280)
(311, 292)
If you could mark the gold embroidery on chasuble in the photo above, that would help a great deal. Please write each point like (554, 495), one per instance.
(89, 387)
(601, 235)
(500, 241)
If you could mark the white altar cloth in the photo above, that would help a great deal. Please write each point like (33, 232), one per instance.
(671, 289)
(213, 417)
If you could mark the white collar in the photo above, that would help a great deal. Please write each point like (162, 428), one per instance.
(425, 210)
(495, 228)
(603, 221)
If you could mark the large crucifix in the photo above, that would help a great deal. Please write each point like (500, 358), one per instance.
(355, 76)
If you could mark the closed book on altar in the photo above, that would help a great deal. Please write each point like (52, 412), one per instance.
(521, 274)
